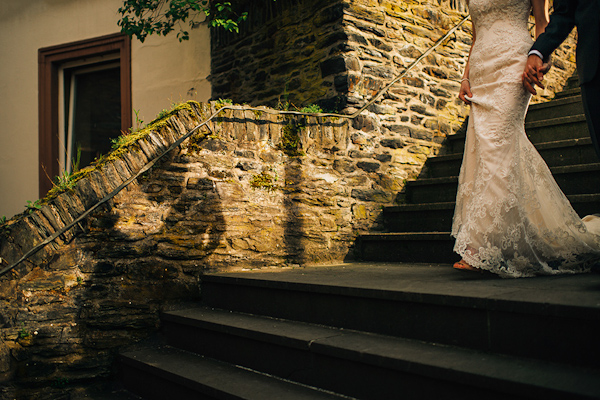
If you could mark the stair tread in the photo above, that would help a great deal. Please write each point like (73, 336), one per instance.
(408, 235)
(556, 102)
(434, 283)
(539, 146)
(487, 370)
(449, 205)
(564, 143)
(555, 121)
(555, 170)
(200, 373)
(568, 92)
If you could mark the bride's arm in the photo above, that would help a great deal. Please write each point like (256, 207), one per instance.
(535, 67)
(465, 84)
(540, 14)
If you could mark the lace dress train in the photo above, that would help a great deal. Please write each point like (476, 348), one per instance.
(511, 217)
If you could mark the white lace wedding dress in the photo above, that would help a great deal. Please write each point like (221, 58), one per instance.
(511, 217)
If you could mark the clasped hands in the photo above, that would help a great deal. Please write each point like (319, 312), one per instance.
(535, 69)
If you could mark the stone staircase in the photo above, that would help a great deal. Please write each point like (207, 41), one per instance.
(419, 230)
(411, 329)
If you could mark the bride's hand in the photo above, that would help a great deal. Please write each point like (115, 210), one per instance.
(465, 90)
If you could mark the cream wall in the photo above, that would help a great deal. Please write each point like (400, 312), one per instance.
(163, 71)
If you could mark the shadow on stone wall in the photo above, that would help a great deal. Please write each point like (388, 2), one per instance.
(106, 289)
(294, 232)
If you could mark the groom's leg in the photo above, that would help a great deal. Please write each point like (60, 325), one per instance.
(590, 93)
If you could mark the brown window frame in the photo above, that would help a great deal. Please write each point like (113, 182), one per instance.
(49, 61)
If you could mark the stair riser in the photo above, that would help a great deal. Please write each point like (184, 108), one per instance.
(155, 385)
(436, 169)
(316, 366)
(562, 110)
(568, 92)
(435, 193)
(461, 324)
(554, 157)
(572, 83)
(573, 155)
(417, 251)
(418, 221)
(441, 220)
(584, 182)
(553, 133)
(454, 145)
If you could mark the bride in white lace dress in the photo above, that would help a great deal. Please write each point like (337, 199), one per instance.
(511, 218)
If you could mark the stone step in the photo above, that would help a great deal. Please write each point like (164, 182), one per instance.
(556, 129)
(558, 153)
(431, 190)
(556, 319)
(568, 92)
(411, 247)
(568, 152)
(572, 82)
(160, 373)
(539, 131)
(342, 360)
(562, 107)
(572, 179)
(431, 217)
(454, 144)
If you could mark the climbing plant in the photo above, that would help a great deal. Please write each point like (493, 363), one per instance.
(141, 18)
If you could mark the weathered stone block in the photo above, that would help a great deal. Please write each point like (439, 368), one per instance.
(368, 166)
(373, 195)
(333, 66)
(394, 143)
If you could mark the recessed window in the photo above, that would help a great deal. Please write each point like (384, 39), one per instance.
(89, 111)
(85, 102)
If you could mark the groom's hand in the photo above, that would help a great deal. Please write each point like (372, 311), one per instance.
(534, 73)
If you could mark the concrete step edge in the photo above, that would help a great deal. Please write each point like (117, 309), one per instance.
(449, 205)
(555, 102)
(568, 92)
(212, 376)
(474, 300)
(555, 121)
(563, 169)
(486, 370)
(575, 142)
(567, 143)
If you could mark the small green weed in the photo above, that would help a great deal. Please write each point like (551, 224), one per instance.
(65, 181)
(59, 383)
(23, 332)
(312, 109)
(222, 103)
(264, 180)
(31, 207)
(290, 140)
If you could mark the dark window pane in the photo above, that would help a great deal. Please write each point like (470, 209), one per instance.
(97, 112)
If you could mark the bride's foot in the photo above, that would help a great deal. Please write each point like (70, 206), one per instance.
(463, 265)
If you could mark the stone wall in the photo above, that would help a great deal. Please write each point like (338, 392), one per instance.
(261, 190)
(280, 54)
(339, 54)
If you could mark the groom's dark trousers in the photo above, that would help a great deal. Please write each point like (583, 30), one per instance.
(585, 15)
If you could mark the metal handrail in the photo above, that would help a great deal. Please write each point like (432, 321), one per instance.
(175, 144)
